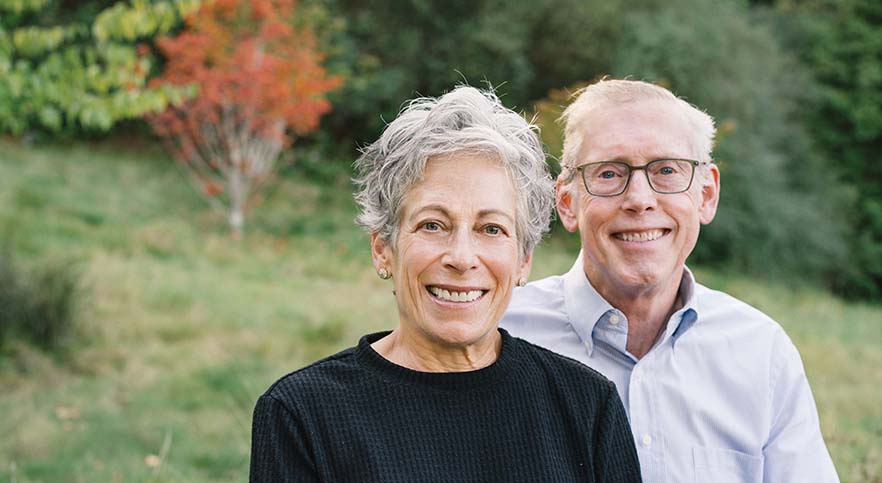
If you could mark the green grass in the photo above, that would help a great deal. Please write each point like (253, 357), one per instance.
(185, 327)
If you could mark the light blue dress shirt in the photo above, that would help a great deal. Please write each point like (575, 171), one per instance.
(722, 396)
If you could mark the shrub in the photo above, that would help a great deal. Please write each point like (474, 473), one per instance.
(38, 306)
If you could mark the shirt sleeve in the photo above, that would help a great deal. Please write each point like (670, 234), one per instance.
(615, 456)
(795, 450)
(279, 452)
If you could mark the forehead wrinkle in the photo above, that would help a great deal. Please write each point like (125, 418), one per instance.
(623, 152)
(631, 151)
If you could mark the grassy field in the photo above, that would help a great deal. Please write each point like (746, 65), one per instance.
(183, 328)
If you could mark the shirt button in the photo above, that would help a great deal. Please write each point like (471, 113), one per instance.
(614, 319)
(646, 441)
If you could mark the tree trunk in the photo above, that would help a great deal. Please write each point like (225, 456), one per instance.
(237, 203)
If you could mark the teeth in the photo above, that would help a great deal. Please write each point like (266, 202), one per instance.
(455, 296)
(643, 236)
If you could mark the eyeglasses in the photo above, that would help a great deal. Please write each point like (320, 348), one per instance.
(665, 176)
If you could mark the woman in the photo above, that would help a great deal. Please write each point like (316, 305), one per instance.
(455, 194)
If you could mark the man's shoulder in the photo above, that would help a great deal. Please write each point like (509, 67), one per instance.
(730, 317)
(543, 292)
(536, 301)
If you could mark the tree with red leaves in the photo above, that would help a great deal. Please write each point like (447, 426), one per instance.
(259, 82)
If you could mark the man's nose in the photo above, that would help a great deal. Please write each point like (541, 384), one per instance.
(639, 195)
(461, 252)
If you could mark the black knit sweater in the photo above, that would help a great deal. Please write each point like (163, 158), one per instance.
(532, 416)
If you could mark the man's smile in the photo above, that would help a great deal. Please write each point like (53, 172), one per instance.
(641, 236)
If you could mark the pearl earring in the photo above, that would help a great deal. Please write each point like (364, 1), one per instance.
(383, 273)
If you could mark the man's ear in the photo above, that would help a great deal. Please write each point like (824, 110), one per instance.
(710, 195)
(381, 252)
(566, 208)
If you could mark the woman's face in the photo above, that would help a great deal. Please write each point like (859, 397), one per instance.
(456, 257)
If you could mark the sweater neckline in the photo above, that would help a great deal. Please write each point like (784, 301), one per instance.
(391, 372)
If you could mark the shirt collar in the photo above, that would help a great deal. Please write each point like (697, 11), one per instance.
(585, 306)
(686, 316)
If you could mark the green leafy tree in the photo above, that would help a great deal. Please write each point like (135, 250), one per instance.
(841, 42)
(780, 208)
(73, 69)
(393, 50)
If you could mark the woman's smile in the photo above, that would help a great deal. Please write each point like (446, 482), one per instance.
(454, 294)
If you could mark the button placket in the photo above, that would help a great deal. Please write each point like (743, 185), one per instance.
(643, 414)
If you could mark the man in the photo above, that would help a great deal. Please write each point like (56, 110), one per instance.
(714, 389)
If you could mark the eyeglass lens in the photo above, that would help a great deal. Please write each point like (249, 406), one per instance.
(665, 176)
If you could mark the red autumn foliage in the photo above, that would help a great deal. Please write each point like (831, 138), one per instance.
(260, 83)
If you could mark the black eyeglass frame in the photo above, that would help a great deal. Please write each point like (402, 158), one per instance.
(631, 169)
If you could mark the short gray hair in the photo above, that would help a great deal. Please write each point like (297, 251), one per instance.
(465, 120)
(613, 92)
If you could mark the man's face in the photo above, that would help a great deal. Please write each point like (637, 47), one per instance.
(637, 243)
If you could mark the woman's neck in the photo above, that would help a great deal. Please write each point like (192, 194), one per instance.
(419, 353)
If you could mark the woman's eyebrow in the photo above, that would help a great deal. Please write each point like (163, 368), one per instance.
(443, 210)
(493, 211)
(432, 207)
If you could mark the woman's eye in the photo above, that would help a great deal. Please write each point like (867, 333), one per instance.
(492, 230)
(431, 226)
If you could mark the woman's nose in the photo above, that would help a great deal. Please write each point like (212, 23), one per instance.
(461, 252)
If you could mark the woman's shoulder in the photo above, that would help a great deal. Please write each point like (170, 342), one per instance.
(323, 377)
(567, 370)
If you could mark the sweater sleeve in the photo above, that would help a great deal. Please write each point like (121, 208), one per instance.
(615, 457)
(279, 452)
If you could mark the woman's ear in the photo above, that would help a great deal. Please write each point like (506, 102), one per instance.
(526, 267)
(381, 253)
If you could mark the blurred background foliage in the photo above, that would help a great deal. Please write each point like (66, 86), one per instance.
(795, 87)
(74, 67)
(135, 335)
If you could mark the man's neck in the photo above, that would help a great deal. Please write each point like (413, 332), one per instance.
(647, 313)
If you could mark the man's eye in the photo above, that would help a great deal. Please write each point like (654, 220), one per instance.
(608, 174)
(666, 170)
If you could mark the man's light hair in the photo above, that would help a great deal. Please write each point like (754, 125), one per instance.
(463, 121)
(608, 93)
